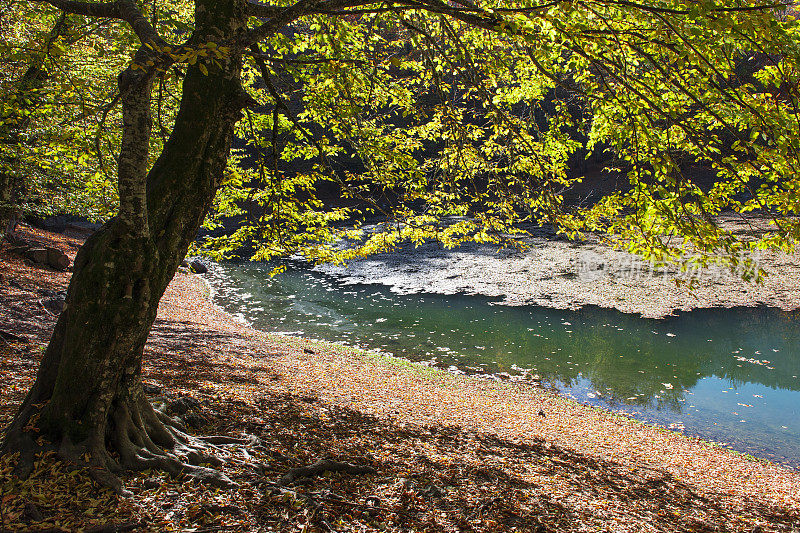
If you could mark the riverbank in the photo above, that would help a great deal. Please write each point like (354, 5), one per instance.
(451, 453)
(562, 274)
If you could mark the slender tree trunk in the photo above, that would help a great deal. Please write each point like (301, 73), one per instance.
(14, 125)
(9, 211)
(88, 395)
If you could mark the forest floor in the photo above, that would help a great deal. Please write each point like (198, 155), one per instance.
(439, 452)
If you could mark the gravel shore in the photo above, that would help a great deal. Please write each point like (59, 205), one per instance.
(557, 273)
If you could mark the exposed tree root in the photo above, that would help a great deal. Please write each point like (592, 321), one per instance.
(107, 528)
(322, 466)
(137, 437)
(224, 439)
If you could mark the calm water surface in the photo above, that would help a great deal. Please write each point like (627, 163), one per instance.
(727, 375)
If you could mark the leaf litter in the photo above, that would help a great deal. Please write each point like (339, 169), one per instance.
(437, 452)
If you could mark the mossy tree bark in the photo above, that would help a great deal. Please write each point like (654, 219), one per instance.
(87, 401)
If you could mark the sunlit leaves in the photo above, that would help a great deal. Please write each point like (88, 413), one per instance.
(58, 122)
(423, 118)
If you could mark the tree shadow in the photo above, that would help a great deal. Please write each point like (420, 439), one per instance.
(442, 478)
(436, 477)
(449, 478)
(185, 354)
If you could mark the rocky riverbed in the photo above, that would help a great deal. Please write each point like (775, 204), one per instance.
(554, 272)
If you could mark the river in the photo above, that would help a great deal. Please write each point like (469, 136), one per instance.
(728, 375)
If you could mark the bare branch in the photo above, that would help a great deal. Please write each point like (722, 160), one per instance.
(140, 25)
(284, 16)
(488, 21)
(89, 9)
(276, 22)
(123, 10)
(100, 126)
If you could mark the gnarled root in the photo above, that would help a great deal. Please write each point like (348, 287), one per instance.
(322, 466)
(136, 437)
(148, 439)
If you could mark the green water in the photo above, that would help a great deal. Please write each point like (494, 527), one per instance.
(728, 375)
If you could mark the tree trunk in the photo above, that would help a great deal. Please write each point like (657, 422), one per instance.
(88, 396)
(16, 122)
(9, 211)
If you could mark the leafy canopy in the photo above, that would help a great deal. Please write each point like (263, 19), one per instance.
(58, 118)
(459, 121)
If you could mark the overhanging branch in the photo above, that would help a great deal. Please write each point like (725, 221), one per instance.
(279, 17)
(123, 10)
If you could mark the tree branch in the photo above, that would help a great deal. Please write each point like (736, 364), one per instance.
(140, 25)
(289, 14)
(108, 10)
(487, 22)
(279, 17)
(665, 10)
(123, 10)
(280, 103)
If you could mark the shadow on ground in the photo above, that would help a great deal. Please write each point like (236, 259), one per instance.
(433, 478)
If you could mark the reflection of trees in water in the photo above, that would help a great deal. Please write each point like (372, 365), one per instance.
(591, 351)
(766, 329)
(637, 378)
(651, 359)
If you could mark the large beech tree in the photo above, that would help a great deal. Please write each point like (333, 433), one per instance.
(421, 110)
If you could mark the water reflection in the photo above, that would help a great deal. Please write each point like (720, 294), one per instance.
(726, 374)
